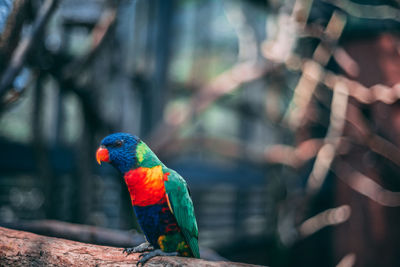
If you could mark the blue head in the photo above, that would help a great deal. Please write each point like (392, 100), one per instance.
(119, 149)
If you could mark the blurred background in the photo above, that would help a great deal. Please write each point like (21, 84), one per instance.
(282, 115)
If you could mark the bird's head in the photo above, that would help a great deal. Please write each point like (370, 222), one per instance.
(119, 149)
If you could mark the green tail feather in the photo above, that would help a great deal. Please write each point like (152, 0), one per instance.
(194, 246)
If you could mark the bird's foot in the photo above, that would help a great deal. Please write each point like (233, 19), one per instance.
(146, 246)
(158, 252)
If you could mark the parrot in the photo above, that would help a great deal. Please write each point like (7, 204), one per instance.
(160, 198)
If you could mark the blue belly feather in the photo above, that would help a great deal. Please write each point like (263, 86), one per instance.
(154, 221)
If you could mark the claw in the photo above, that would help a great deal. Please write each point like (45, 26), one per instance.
(141, 248)
(128, 251)
(143, 258)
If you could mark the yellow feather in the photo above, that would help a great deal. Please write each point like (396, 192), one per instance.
(140, 152)
(160, 241)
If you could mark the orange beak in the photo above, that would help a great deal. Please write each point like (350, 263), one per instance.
(102, 155)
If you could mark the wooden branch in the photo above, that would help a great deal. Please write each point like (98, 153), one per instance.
(91, 234)
(24, 47)
(11, 34)
(19, 248)
(79, 232)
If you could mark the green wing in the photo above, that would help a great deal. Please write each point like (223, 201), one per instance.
(182, 208)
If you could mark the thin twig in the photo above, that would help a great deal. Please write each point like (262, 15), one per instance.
(365, 185)
(325, 218)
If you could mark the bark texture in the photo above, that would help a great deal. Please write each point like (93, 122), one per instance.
(18, 248)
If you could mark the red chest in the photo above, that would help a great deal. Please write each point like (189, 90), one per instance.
(146, 186)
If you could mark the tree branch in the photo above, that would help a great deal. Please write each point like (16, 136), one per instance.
(10, 37)
(79, 232)
(20, 53)
(19, 248)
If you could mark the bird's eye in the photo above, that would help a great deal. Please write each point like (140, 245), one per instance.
(118, 143)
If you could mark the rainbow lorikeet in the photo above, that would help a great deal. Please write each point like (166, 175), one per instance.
(160, 198)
